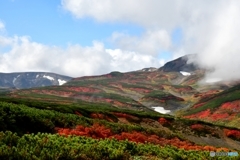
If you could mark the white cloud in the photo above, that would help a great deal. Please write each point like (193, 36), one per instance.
(151, 42)
(210, 28)
(75, 60)
(137, 11)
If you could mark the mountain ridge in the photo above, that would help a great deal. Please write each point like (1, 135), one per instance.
(21, 80)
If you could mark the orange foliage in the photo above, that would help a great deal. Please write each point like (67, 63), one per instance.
(96, 131)
(233, 106)
(99, 131)
(197, 127)
(163, 121)
(216, 116)
(97, 116)
(232, 133)
(203, 114)
(123, 115)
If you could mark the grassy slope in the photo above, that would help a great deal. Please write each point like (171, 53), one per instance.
(171, 135)
(212, 106)
(123, 90)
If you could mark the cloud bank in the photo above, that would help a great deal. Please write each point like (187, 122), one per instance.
(75, 60)
(210, 28)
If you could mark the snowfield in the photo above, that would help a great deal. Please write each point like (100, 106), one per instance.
(61, 82)
(185, 73)
(48, 77)
(161, 110)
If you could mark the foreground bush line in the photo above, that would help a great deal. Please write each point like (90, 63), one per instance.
(52, 146)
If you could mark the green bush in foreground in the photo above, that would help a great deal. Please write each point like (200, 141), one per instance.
(51, 146)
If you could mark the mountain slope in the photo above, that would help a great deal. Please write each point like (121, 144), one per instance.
(180, 64)
(22, 80)
(132, 90)
(221, 108)
(171, 92)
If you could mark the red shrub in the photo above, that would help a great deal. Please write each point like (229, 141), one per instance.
(232, 133)
(163, 121)
(197, 127)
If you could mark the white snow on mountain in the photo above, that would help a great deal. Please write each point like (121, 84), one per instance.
(14, 80)
(48, 77)
(61, 82)
(161, 110)
(185, 73)
(37, 76)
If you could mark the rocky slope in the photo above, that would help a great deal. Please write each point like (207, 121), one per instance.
(181, 64)
(22, 80)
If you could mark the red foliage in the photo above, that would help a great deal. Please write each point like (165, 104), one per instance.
(141, 90)
(96, 131)
(163, 121)
(231, 106)
(197, 127)
(135, 137)
(203, 114)
(216, 116)
(99, 131)
(97, 116)
(232, 133)
(198, 105)
(124, 115)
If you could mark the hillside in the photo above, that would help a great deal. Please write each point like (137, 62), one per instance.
(222, 108)
(113, 114)
(132, 90)
(50, 131)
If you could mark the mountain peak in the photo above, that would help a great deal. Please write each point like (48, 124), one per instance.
(180, 64)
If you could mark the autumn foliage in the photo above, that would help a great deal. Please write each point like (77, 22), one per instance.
(101, 132)
(163, 121)
(95, 131)
(232, 133)
(197, 127)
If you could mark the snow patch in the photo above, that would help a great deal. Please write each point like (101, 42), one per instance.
(18, 76)
(14, 79)
(161, 110)
(37, 76)
(185, 73)
(48, 77)
(61, 82)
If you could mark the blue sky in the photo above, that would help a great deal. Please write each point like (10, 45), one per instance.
(89, 37)
(46, 22)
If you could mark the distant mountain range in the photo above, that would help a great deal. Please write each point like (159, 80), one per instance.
(22, 80)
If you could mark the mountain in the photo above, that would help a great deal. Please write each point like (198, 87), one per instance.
(22, 80)
(180, 64)
(113, 116)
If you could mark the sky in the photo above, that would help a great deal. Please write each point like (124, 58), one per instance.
(93, 37)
